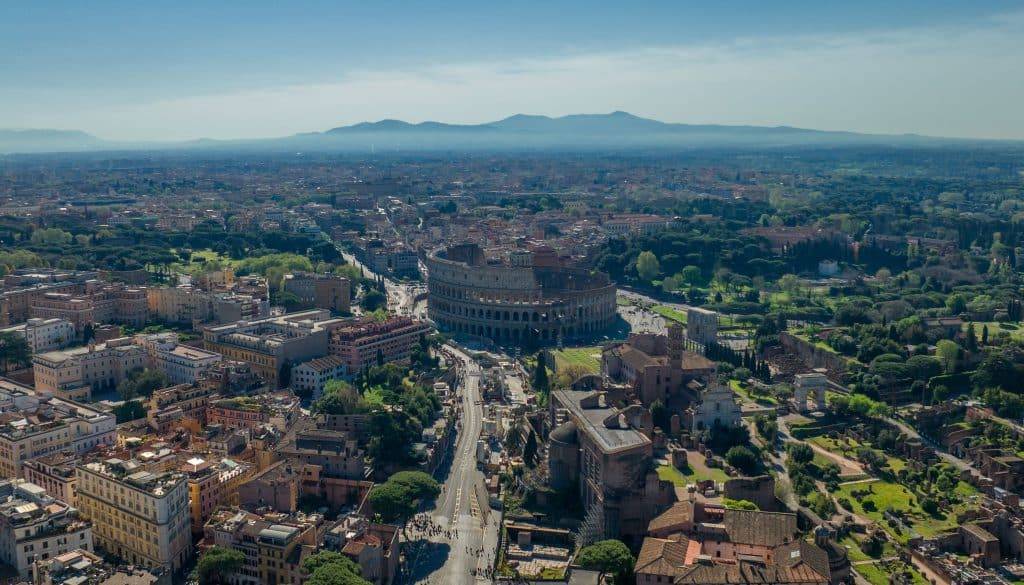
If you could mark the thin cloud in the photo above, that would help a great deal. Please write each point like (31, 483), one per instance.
(948, 81)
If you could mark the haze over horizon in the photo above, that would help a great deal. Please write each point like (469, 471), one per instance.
(139, 73)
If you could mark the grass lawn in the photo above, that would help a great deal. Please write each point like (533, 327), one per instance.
(198, 259)
(886, 495)
(849, 449)
(670, 313)
(586, 357)
(878, 574)
(694, 472)
(852, 545)
(739, 388)
(623, 302)
(994, 329)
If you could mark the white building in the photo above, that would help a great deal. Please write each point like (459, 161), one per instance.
(182, 364)
(716, 407)
(308, 378)
(45, 334)
(77, 372)
(37, 425)
(35, 526)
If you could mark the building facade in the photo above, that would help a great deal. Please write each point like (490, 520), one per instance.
(309, 378)
(45, 334)
(78, 372)
(140, 516)
(35, 526)
(36, 426)
(368, 342)
(320, 291)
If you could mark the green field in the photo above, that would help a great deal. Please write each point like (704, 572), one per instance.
(694, 472)
(886, 495)
(849, 448)
(588, 358)
(199, 259)
(670, 313)
(852, 545)
(878, 574)
(747, 393)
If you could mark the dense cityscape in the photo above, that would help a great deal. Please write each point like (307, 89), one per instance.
(416, 369)
(545, 292)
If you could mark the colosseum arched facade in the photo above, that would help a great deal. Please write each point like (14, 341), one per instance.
(516, 304)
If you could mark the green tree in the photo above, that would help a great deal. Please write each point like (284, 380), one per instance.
(611, 557)
(339, 397)
(141, 382)
(398, 498)
(14, 350)
(373, 300)
(647, 266)
(741, 458)
(421, 485)
(328, 557)
(332, 568)
(530, 450)
(948, 353)
(540, 377)
(51, 236)
(392, 501)
(740, 504)
(691, 274)
(217, 564)
(800, 453)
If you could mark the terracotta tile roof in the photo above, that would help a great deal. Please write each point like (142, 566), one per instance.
(705, 573)
(802, 552)
(760, 528)
(674, 518)
(659, 556)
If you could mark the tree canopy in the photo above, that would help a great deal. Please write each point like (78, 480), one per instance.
(611, 557)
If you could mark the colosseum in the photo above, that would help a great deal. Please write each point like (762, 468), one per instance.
(527, 296)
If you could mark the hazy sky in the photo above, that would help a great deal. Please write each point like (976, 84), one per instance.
(180, 70)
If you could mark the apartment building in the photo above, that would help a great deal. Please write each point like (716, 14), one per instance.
(141, 516)
(97, 303)
(78, 372)
(35, 526)
(270, 345)
(320, 291)
(374, 547)
(273, 544)
(45, 334)
(55, 473)
(190, 305)
(174, 405)
(23, 286)
(368, 342)
(251, 412)
(80, 566)
(335, 454)
(182, 364)
(32, 426)
(212, 484)
(309, 378)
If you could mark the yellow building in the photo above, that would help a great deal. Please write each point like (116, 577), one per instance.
(140, 516)
(211, 485)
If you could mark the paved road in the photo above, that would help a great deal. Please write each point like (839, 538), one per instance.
(449, 556)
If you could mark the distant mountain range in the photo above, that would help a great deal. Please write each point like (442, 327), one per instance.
(47, 140)
(521, 132)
